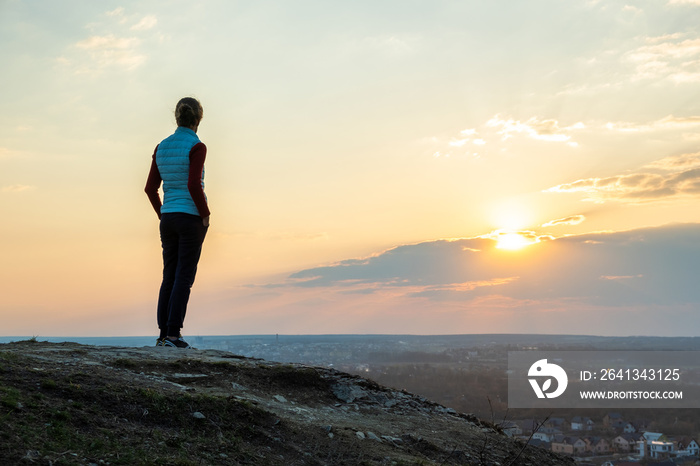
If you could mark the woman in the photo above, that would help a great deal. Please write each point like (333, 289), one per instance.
(178, 162)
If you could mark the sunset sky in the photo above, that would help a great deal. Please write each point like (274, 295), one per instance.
(393, 166)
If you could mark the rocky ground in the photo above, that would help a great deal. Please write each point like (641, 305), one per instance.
(73, 404)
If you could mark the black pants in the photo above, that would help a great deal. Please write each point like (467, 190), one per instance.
(182, 236)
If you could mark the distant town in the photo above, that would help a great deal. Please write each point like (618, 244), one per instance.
(468, 373)
(618, 441)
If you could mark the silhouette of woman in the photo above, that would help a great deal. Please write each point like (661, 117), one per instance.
(178, 163)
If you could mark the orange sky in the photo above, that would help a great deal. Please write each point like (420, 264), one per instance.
(342, 134)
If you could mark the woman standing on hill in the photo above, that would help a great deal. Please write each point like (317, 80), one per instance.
(178, 162)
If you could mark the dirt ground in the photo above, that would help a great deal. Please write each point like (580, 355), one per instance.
(73, 404)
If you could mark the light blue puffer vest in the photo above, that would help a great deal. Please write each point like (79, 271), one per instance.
(173, 160)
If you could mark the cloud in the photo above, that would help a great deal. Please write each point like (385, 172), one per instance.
(119, 11)
(543, 130)
(668, 123)
(498, 131)
(621, 277)
(659, 60)
(684, 2)
(571, 220)
(647, 266)
(17, 188)
(146, 23)
(676, 162)
(109, 50)
(681, 179)
(455, 290)
(669, 57)
(509, 239)
(113, 44)
(637, 282)
(654, 265)
(424, 264)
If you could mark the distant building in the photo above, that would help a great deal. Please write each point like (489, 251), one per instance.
(557, 423)
(625, 443)
(655, 445)
(619, 425)
(569, 446)
(582, 423)
(511, 429)
(579, 446)
(650, 436)
(629, 428)
(661, 449)
(563, 446)
(610, 419)
(545, 437)
(597, 445)
(687, 447)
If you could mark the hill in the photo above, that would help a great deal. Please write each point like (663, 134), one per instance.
(65, 403)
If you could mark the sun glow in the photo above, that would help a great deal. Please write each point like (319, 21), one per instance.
(511, 214)
(512, 241)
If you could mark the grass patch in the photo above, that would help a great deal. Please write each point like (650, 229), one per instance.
(297, 377)
(7, 356)
(125, 363)
(48, 384)
(126, 425)
(9, 397)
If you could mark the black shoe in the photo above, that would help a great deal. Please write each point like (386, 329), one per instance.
(179, 343)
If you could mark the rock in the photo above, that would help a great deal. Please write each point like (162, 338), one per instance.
(373, 436)
(198, 415)
(379, 398)
(389, 438)
(280, 398)
(360, 435)
(442, 409)
(238, 387)
(186, 376)
(32, 455)
(348, 393)
(329, 429)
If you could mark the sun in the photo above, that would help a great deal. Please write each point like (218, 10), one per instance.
(512, 241)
